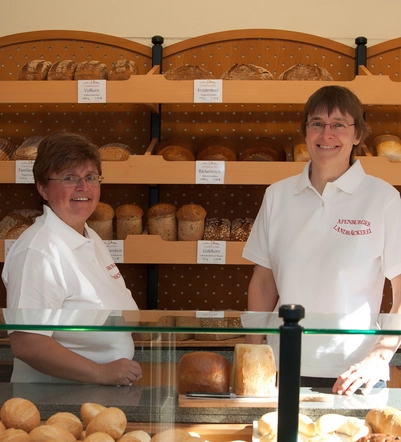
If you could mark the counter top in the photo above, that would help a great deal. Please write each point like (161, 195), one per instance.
(160, 404)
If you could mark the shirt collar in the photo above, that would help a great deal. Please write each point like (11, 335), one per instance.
(347, 182)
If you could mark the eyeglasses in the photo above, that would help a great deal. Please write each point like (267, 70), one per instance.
(74, 180)
(336, 127)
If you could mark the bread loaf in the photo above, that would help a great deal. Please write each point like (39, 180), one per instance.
(91, 70)
(385, 420)
(101, 220)
(162, 221)
(254, 370)
(171, 435)
(217, 229)
(129, 220)
(28, 149)
(34, 70)
(379, 438)
(123, 69)
(6, 149)
(140, 435)
(68, 421)
(20, 414)
(89, 410)
(13, 224)
(264, 149)
(62, 70)
(191, 222)
(188, 72)
(302, 71)
(241, 229)
(388, 146)
(176, 149)
(223, 323)
(43, 433)
(99, 437)
(15, 435)
(216, 148)
(112, 421)
(186, 322)
(247, 72)
(114, 152)
(300, 153)
(203, 371)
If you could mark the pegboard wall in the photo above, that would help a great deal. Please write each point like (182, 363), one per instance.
(184, 286)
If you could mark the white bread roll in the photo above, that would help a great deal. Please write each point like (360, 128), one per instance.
(140, 435)
(45, 432)
(20, 414)
(112, 421)
(384, 420)
(68, 421)
(15, 435)
(99, 437)
(101, 220)
(254, 370)
(89, 410)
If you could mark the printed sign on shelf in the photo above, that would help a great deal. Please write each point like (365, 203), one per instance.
(91, 91)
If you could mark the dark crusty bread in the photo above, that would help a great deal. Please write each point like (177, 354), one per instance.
(34, 70)
(188, 72)
(6, 149)
(247, 72)
(302, 71)
(62, 70)
(28, 149)
(123, 69)
(264, 149)
(114, 152)
(176, 149)
(241, 228)
(217, 229)
(91, 70)
(216, 148)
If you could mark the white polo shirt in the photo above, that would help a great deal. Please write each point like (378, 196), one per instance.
(330, 253)
(51, 266)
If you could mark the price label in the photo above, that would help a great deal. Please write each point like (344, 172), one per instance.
(116, 249)
(210, 172)
(208, 91)
(210, 314)
(23, 172)
(91, 91)
(211, 252)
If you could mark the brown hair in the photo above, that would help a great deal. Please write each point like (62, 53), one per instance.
(59, 151)
(329, 98)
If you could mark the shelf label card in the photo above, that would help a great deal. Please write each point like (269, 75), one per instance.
(23, 172)
(210, 172)
(209, 314)
(91, 91)
(211, 252)
(7, 246)
(208, 91)
(116, 249)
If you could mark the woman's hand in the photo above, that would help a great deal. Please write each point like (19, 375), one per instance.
(120, 372)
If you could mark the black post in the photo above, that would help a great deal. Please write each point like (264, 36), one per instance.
(360, 52)
(289, 372)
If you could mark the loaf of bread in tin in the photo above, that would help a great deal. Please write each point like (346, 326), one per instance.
(101, 221)
(191, 222)
(162, 221)
(128, 220)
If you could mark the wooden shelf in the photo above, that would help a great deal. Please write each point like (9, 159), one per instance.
(154, 88)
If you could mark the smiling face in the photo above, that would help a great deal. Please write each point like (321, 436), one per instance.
(328, 149)
(74, 204)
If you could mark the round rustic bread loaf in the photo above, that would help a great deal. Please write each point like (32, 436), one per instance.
(6, 149)
(188, 72)
(162, 221)
(28, 149)
(20, 414)
(264, 149)
(62, 70)
(34, 70)
(191, 222)
(89, 410)
(247, 72)
(91, 70)
(114, 152)
(123, 69)
(216, 148)
(388, 146)
(101, 220)
(302, 71)
(68, 421)
(176, 149)
(217, 229)
(13, 224)
(203, 371)
(129, 220)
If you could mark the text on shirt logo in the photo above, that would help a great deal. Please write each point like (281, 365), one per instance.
(364, 227)
(111, 267)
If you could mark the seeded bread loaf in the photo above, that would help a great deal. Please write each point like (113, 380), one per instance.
(217, 229)
(191, 222)
(241, 228)
(162, 221)
(128, 220)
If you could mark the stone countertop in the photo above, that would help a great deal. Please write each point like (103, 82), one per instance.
(159, 404)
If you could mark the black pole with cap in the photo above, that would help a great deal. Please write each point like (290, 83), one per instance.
(289, 380)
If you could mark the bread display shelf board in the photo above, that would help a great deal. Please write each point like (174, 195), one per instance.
(153, 169)
(371, 89)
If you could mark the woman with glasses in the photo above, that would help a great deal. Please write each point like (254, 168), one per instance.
(60, 263)
(327, 239)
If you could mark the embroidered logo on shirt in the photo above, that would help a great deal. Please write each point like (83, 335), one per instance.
(353, 227)
(113, 270)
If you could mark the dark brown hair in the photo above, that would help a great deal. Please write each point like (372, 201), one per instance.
(59, 151)
(329, 98)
